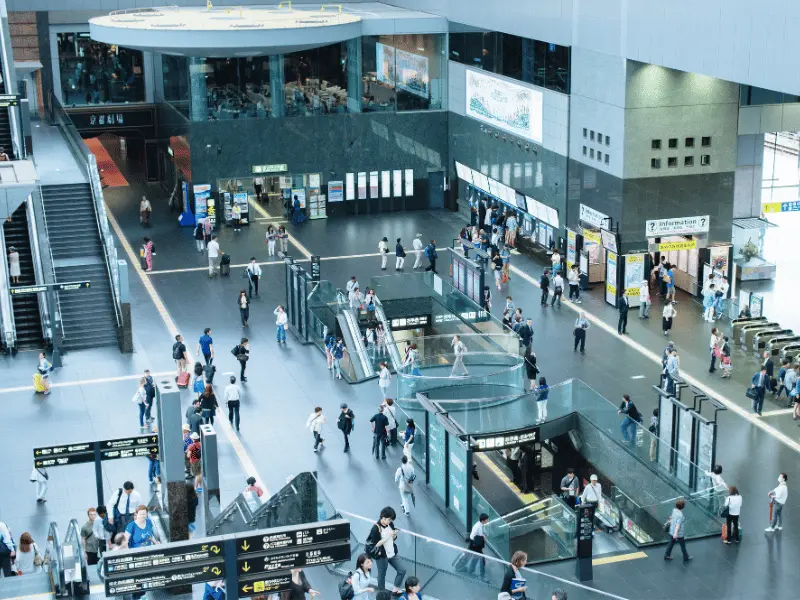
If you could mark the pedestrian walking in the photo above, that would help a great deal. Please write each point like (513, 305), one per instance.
(233, 397)
(146, 252)
(544, 285)
(653, 429)
(253, 272)
(579, 331)
(677, 531)
(468, 561)
(28, 559)
(205, 346)
(778, 498)
(272, 237)
(384, 380)
(672, 371)
(244, 307)
(644, 300)
(153, 467)
(622, 306)
(720, 296)
(144, 211)
(570, 486)
(43, 369)
(200, 235)
(124, 508)
(404, 478)
(380, 426)
(593, 492)
(558, 289)
(555, 261)
(338, 352)
(208, 405)
(383, 251)
(360, 579)
(431, 255)
(194, 453)
(345, 424)
(242, 353)
(391, 413)
(150, 391)
(281, 319)
(759, 384)
(632, 416)
(542, 393)
(525, 334)
(715, 348)
(40, 477)
(140, 399)
(487, 298)
(179, 354)
(417, 246)
(314, 424)
(400, 255)
(669, 277)
(381, 542)
(667, 315)
(91, 543)
(380, 334)
(731, 511)
(512, 578)
(408, 438)
(214, 255)
(14, 271)
(459, 350)
(8, 550)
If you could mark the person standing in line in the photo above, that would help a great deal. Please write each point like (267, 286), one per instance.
(759, 383)
(198, 384)
(644, 300)
(670, 276)
(380, 334)
(147, 252)
(338, 352)
(140, 531)
(542, 394)
(720, 296)
(417, 247)
(283, 238)
(13, 265)
(677, 531)
(271, 236)
(243, 355)
(404, 478)
(345, 424)
(40, 476)
(558, 289)
(8, 551)
(733, 503)
(236, 217)
(314, 424)
(214, 254)
(205, 346)
(570, 486)
(459, 350)
(400, 255)
(380, 425)
(632, 417)
(778, 498)
(708, 303)
(573, 278)
(281, 319)
(532, 371)
(384, 380)
(253, 275)
(432, 255)
(544, 285)
(623, 305)
(511, 230)
(200, 235)
(140, 399)
(194, 454)
(579, 331)
(408, 437)
(383, 250)
(233, 397)
(653, 429)
(382, 538)
(144, 211)
(518, 560)
(124, 508)
(789, 383)
(661, 270)
(770, 366)
(526, 336)
(391, 413)
(667, 315)
(179, 354)
(714, 347)
(208, 405)
(244, 307)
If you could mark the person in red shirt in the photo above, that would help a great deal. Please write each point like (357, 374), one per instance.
(252, 487)
(193, 453)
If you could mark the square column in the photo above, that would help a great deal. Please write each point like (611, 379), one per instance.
(277, 81)
(198, 91)
(355, 84)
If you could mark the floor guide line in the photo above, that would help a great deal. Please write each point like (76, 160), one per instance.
(223, 424)
(607, 560)
(261, 264)
(260, 210)
(82, 382)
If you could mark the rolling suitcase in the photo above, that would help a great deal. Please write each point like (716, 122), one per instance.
(183, 379)
(38, 386)
(225, 265)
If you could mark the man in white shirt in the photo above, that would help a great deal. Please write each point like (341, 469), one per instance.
(458, 362)
(351, 285)
(214, 254)
(477, 542)
(253, 275)
(721, 295)
(592, 492)
(644, 300)
(404, 478)
(233, 395)
(125, 502)
(417, 246)
(778, 497)
(7, 549)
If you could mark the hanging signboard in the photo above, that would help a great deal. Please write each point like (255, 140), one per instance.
(670, 246)
(262, 169)
(611, 278)
(609, 240)
(572, 244)
(682, 225)
(594, 217)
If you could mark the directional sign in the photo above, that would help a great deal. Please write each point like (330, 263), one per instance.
(127, 447)
(63, 449)
(7, 100)
(63, 460)
(285, 560)
(117, 565)
(66, 454)
(265, 584)
(776, 207)
(292, 537)
(145, 582)
(58, 287)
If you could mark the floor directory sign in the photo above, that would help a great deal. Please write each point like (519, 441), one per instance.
(437, 457)
(460, 474)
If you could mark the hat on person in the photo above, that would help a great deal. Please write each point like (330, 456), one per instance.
(593, 477)
(186, 427)
(671, 344)
(251, 481)
(195, 436)
(343, 405)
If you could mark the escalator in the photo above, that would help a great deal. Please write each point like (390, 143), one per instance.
(27, 318)
(394, 353)
(354, 342)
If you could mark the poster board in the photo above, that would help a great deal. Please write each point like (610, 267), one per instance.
(611, 278)
(362, 186)
(634, 275)
(350, 186)
(373, 184)
(409, 182)
(386, 184)
(335, 191)
(572, 244)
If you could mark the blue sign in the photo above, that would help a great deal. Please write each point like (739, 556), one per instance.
(202, 192)
(187, 217)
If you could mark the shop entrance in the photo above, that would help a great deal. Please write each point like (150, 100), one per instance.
(275, 192)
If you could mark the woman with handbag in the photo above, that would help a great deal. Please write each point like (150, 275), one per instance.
(382, 548)
(730, 512)
(44, 368)
(715, 347)
(28, 559)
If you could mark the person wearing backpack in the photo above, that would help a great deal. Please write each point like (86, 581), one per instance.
(179, 354)
(358, 585)
(200, 236)
(431, 255)
(404, 478)
(242, 354)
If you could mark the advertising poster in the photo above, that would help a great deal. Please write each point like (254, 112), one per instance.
(460, 473)
(285, 182)
(503, 104)
(665, 411)
(684, 465)
(591, 243)
(705, 452)
(362, 186)
(335, 191)
(397, 176)
(373, 184)
(350, 186)
(572, 244)
(386, 184)
(202, 192)
(405, 70)
(611, 278)
(409, 182)
(719, 260)
(477, 292)
(634, 275)
(301, 196)
(313, 180)
(241, 199)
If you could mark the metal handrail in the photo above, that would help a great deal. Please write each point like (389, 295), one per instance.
(56, 317)
(56, 560)
(44, 313)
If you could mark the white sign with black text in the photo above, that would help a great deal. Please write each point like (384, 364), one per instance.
(594, 217)
(681, 225)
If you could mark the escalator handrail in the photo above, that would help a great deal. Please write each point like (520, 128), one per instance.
(74, 531)
(394, 353)
(355, 331)
(56, 559)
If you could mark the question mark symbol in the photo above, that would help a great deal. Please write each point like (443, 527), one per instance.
(703, 221)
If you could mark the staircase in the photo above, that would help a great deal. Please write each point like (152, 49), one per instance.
(87, 315)
(27, 319)
(5, 126)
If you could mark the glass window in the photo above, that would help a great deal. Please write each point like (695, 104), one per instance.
(238, 88)
(673, 142)
(511, 55)
(672, 161)
(688, 161)
(584, 150)
(315, 81)
(655, 163)
(705, 160)
(96, 73)
(607, 158)
(690, 142)
(458, 46)
(655, 144)
(539, 61)
(175, 75)
(474, 49)
(557, 68)
(489, 52)
(705, 141)
(584, 132)
(608, 141)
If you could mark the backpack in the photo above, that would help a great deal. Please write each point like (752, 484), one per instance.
(235, 351)
(346, 591)
(176, 351)
(428, 251)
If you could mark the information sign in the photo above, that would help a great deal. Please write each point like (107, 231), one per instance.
(509, 440)
(315, 268)
(585, 530)
(166, 555)
(294, 537)
(682, 225)
(146, 582)
(264, 585)
(58, 287)
(292, 558)
(594, 217)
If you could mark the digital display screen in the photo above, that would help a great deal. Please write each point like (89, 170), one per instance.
(500, 103)
(480, 181)
(521, 203)
(404, 70)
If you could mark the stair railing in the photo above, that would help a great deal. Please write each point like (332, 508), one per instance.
(6, 308)
(36, 256)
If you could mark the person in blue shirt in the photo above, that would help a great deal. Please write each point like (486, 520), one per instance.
(670, 283)
(412, 589)
(205, 346)
(338, 351)
(542, 393)
(140, 531)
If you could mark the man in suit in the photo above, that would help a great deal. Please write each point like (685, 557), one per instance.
(770, 366)
(623, 306)
(526, 335)
(760, 383)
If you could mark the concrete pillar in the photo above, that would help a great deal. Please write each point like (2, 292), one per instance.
(355, 85)
(170, 451)
(198, 98)
(276, 86)
(749, 176)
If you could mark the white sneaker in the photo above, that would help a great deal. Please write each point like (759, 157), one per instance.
(769, 529)
(779, 528)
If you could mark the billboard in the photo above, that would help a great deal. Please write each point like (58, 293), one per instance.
(500, 103)
(404, 70)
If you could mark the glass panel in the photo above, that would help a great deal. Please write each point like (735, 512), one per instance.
(175, 77)
(96, 73)
(238, 88)
(379, 76)
(539, 62)
(557, 68)
(474, 49)
(316, 81)
(511, 55)
(458, 46)
(420, 71)
(489, 54)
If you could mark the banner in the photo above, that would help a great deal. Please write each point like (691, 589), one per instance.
(503, 104)
(202, 194)
(572, 242)
(669, 246)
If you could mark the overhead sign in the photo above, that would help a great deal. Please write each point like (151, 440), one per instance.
(261, 169)
(410, 322)
(293, 558)
(668, 246)
(147, 582)
(499, 102)
(682, 225)
(294, 537)
(510, 440)
(594, 217)
(161, 556)
(609, 240)
(777, 207)
(7, 100)
(265, 584)
(73, 454)
(58, 287)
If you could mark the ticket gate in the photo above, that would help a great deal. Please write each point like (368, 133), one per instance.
(776, 344)
(791, 352)
(761, 338)
(737, 325)
(749, 332)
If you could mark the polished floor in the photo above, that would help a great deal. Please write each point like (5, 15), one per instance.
(286, 382)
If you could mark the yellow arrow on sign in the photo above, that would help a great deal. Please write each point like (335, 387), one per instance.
(216, 571)
(246, 567)
(245, 546)
(214, 549)
(246, 588)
